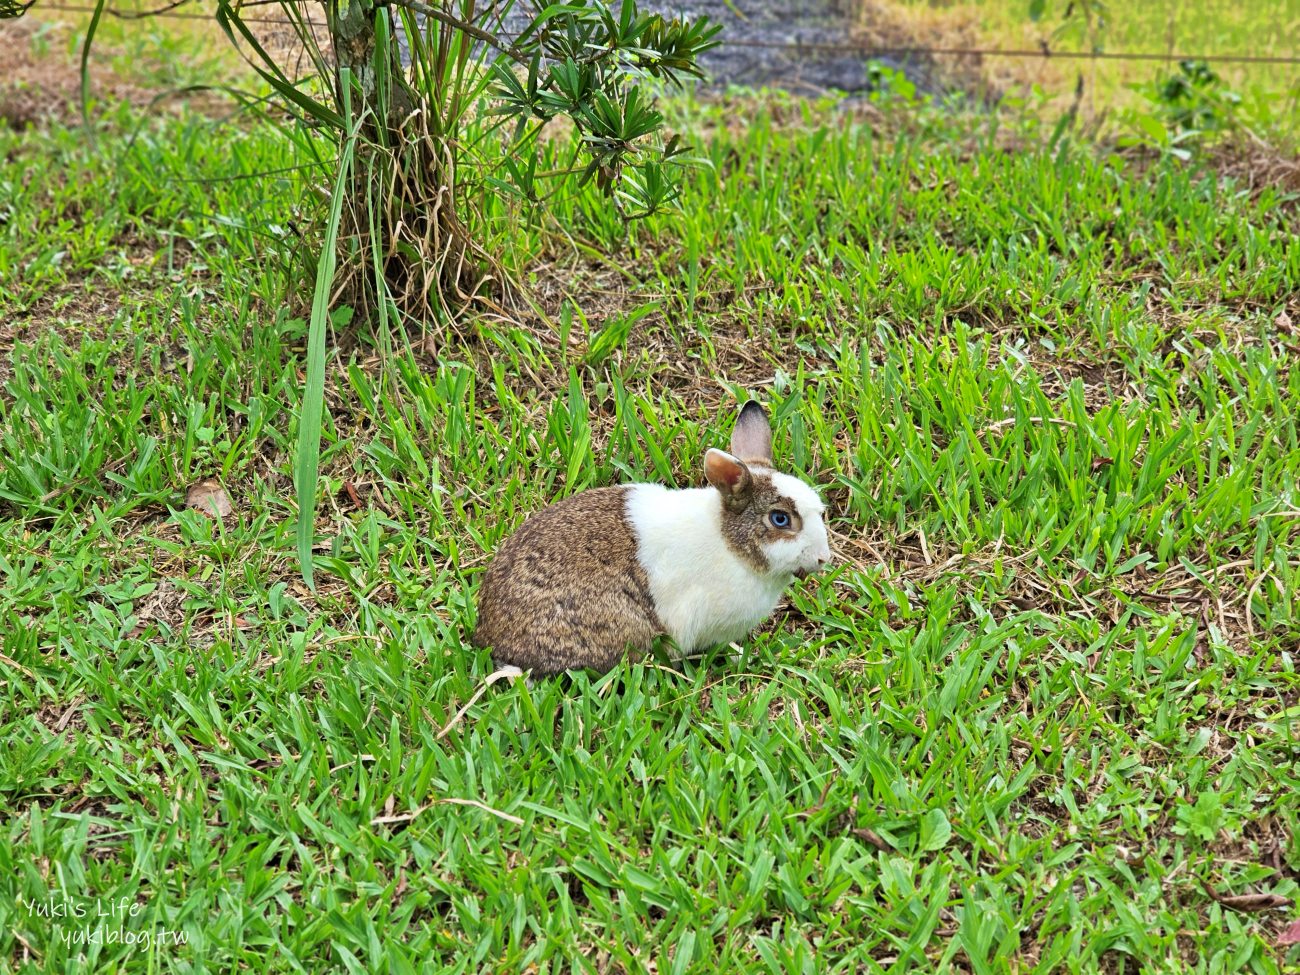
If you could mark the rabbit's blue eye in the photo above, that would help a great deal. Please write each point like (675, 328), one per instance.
(779, 518)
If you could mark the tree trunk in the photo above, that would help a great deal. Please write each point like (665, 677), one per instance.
(404, 180)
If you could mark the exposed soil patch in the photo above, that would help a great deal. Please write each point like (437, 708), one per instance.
(41, 83)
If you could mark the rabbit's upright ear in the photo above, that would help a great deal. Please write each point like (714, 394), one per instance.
(730, 476)
(751, 440)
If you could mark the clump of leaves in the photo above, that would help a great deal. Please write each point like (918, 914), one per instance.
(890, 86)
(576, 66)
(1195, 99)
(1203, 819)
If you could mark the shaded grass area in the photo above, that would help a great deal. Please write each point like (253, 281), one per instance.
(1047, 695)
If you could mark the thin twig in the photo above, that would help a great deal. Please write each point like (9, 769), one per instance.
(142, 14)
(488, 681)
(10, 662)
(821, 799)
(1250, 602)
(1040, 420)
(451, 800)
(67, 715)
(479, 805)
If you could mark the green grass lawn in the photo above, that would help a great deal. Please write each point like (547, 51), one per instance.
(1043, 706)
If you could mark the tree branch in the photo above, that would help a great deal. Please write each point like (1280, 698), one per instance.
(10, 9)
(142, 14)
(487, 37)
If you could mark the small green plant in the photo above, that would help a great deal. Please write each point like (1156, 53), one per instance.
(1195, 99)
(890, 85)
(1188, 108)
(1201, 820)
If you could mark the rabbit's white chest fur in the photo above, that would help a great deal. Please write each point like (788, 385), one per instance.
(704, 594)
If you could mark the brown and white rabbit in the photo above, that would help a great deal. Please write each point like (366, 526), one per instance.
(605, 571)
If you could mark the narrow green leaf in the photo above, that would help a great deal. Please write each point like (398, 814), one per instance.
(307, 465)
(85, 62)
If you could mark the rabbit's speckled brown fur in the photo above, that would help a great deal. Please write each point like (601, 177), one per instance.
(566, 590)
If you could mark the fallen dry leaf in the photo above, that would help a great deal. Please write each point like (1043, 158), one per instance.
(1254, 902)
(350, 490)
(67, 715)
(872, 837)
(1283, 321)
(1290, 935)
(1248, 903)
(209, 497)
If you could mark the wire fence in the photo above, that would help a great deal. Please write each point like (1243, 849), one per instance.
(866, 51)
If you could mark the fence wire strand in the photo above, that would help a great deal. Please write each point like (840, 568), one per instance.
(866, 51)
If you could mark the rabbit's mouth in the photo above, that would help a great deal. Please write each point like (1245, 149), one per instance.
(803, 572)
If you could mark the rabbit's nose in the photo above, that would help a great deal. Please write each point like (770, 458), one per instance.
(821, 559)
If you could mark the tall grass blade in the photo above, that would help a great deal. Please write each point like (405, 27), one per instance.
(85, 62)
(307, 462)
